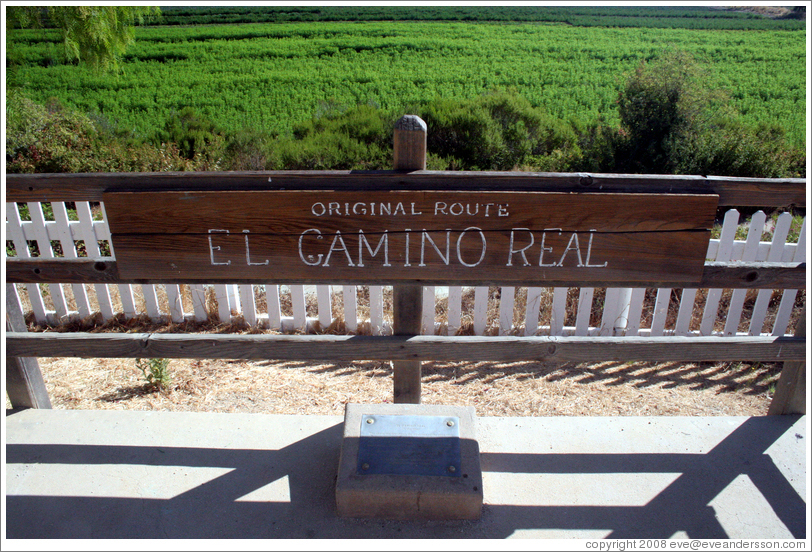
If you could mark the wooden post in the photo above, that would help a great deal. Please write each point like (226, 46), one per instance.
(790, 391)
(24, 383)
(410, 143)
(410, 155)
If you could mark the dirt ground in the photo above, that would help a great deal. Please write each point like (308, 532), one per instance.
(494, 389)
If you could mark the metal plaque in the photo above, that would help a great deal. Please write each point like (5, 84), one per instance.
(409, 445)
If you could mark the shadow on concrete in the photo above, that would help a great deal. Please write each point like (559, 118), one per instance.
(212, 510)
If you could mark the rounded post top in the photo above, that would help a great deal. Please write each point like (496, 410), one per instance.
(411, 122)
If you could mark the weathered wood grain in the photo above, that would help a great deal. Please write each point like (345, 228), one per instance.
(287, 212)
(24, 382)
(634, 257)
(406, 235)
(753, 275)
(410, 138)
(790, 391)
(732, 191)
(441, 348)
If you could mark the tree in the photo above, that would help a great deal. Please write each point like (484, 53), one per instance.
(662, 103)
(97, 35)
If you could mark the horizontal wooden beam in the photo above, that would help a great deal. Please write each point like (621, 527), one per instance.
(732, 191)
(730, 275)
(443, 348)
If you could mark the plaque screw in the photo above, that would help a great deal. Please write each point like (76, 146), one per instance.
(366, 466)
(452, 469)
(450, 423)
(370, 420)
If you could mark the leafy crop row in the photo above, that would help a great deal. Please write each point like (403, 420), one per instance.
(584, 16)
(271, 77)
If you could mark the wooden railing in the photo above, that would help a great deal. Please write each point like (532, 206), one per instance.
(738, 264)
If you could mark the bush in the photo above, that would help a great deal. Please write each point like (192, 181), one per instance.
(248, 150)
(330, 150)
(359, 138)
(39, 140)
(672, 122)
(661, 102)
(732, 149)
(194, 133)
(500, 130)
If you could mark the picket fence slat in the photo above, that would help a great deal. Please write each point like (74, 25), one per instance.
(635, 311)
(151, 302)
(47, 251)
(624, 306)
(376, 309)
(585, 297)
(14, 230)
(350, 308)
(92, 246)
(724, 253)
(66, 241)
(249, 307)
(198, 293)
(427, 322)
(734, 312)
(686, 311)
(660, 311)
(223, 307)
(297, 296)
(611, 305)
(127, 300)
(234, 303)
(558, 311)
(776, 252)
(507, 302)
(788, 298)
(531, 314)
(274, 306)
(325, 305)
(480, 310)
(173, 298)
(454, 310)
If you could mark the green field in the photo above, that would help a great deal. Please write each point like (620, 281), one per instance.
(271, 76)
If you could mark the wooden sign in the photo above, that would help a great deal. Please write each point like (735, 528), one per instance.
(399, 236)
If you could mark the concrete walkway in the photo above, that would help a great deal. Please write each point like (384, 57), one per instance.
(124, 474)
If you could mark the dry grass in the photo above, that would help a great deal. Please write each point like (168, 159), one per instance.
(494, 389)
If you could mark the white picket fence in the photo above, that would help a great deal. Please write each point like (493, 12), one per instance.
(621, 312)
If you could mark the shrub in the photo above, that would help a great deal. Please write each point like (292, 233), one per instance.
(500, 130)
(155, 371)
(599, 144)
(330, 150)
(39, 140)
(660, 102)
(733, 149)
(248, 150)
(672, 121)
(358, 138)
(194, 133)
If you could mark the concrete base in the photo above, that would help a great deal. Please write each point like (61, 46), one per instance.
(454, 495)
(115, 474)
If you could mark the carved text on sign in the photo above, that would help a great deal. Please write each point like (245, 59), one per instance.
(313, 248)
(409, 235)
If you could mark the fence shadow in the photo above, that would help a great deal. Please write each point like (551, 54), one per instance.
(750, 378)
(213, 509)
